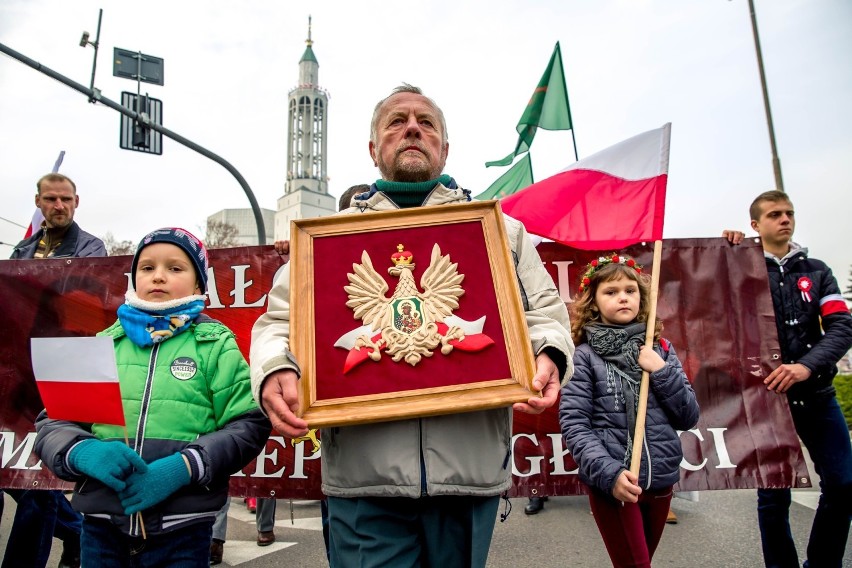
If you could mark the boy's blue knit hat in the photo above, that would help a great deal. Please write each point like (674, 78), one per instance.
(182, 238)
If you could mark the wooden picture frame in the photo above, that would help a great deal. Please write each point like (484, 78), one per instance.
(324, 254)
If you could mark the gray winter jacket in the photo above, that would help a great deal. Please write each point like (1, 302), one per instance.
(460, 454)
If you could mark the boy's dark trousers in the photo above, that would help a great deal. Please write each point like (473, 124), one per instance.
(104, 546)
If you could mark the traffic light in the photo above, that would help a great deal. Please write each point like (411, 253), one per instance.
(141, 133)
(135, 135)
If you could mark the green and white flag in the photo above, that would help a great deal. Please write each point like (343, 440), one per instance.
(548, 108)
(517, 178)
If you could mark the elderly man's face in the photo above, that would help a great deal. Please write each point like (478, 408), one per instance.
(57, 201)
(409, 143)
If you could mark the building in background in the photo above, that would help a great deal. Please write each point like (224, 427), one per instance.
(306, 187)
(243, 221)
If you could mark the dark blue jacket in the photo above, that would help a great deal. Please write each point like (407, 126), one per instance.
(596, 433)
(75, 243)
(814, 328)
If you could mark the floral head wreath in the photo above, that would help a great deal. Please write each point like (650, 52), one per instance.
(602, 261)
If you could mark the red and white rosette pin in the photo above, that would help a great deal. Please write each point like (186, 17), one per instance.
(805, 284)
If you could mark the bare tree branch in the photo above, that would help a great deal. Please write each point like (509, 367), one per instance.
(220, 234)
(117, 248)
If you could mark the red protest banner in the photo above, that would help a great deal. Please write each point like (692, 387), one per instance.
(715, 305)
(714, 301)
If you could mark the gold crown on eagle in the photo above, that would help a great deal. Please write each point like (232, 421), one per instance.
(402, 257)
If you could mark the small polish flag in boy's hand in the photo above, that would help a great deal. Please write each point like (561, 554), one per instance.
(78, 379)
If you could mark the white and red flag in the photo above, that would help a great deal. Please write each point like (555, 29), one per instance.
(35, 223)
(38, 217)
(609, 200)
(78, 379)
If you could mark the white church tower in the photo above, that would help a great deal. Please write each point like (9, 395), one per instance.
(306, 189)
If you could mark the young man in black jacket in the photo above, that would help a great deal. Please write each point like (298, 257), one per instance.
(814, 332)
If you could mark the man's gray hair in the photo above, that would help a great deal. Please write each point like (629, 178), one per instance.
(406, 88)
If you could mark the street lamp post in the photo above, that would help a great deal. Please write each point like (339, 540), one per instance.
(776, 163)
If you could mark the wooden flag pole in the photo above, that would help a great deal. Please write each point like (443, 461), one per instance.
(642, 411)
(138, 514)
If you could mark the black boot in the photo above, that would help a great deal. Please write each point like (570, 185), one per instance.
(535, 505)
(217, 549)
(70, 553)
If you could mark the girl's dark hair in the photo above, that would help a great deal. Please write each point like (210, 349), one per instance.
(584, 309)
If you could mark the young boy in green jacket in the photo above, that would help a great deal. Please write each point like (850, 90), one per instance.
(187, 403)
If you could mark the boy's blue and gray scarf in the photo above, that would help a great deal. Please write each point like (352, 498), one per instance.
(618, 346)
(147, 323)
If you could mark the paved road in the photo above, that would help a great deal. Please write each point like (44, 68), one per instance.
(720, 530)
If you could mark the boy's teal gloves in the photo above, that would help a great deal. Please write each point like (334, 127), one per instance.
(164, 477)
(109, 462)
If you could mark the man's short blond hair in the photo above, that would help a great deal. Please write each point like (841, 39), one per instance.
(55, 177)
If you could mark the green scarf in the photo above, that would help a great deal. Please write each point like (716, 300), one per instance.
(407, 194)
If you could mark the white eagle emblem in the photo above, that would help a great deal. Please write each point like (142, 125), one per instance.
(408, 320)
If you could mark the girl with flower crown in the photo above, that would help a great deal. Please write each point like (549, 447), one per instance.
(598, 407)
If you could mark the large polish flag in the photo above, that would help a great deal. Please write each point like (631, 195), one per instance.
(78, 379)
(609, 200)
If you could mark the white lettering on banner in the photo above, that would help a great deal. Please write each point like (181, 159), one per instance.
(685, 464)
(8, 451)
(562, 279)
(535, 461)
(299, 459)
(213, 291)
(265, 455)
(718, 443)
(16, 456)
(558, 459)
(240, 285)
(559, 451)
(271, 457)
(557, 462)
(721, 448)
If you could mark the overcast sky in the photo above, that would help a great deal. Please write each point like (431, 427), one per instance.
(630, 66)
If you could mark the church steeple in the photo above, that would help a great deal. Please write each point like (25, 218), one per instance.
(306, 189)
(309, 56)
(306, 146)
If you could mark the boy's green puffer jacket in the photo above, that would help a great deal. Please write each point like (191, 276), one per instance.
(189, 393)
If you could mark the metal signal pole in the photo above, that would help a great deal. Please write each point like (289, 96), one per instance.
(776, 163)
